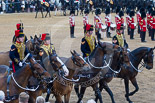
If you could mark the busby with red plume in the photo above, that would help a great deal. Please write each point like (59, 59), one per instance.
(19, 33)
(19, 26)
(45, 36)
(89, 27)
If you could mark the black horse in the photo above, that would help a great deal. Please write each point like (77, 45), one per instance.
(131, 72)
(40, 7)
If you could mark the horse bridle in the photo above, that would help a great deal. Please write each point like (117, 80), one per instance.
(77, 63)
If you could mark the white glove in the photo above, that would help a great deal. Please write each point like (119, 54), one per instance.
(20, 64)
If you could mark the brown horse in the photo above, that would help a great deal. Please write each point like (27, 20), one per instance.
(62, 85)
(97, 59)
(19, 80)
(130, 73)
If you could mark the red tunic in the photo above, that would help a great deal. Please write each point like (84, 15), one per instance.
(142, 24)
(85, 20)
(107, 20)
(98, 22)
(71, 21)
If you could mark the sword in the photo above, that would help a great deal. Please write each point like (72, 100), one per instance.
(25, 58)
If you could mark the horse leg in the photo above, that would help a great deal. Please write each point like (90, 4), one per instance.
(126, 81)
(49, 14)
(42, 13)
(55, 12)
(66, 97)
(76, 88)
(82, 91)
(97, 92)
(106, 87)
(46, 15)
(36, 14)
(58, 99)
(134, 82)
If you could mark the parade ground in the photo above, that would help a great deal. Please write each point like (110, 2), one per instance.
(58, 27)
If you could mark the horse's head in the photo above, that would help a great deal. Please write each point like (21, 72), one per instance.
(78, 61)
(39, 72)
(148, 58)
(56, 63)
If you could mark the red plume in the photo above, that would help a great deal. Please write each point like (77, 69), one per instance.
(17, 33)
(88, 27)
(18, 26)
(43, 36)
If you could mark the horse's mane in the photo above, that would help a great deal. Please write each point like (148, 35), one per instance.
(93, 52)
(134, 52)
(21, 70)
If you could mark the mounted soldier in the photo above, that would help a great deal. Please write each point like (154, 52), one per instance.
(46, 47)
(18, 51)
(88, 42)
(19, 26)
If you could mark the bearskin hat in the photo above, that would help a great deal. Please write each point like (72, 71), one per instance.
(45, 36)
(139, 7)
(19, 26)
(153, 13)
(97, 11)
(121, 13)
(86, 11)
(128, 11)
(132, 13)
(143, 14)
(89, 27)
(150, 10)
(19, 33)
(142, 10)
(118, 9)
(148, 7)
(107, 10)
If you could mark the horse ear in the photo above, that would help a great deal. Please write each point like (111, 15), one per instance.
(31, 37)
(72, 53)
(75, 52)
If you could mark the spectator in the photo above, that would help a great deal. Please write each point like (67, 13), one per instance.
(91, 101)
(40, 99)
(2, 96)
(23, 97)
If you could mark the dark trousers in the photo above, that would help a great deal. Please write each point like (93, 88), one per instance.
(108, 33)
(84, 29)
(149, 30)
(152, 34)
(72, 31)
(143, 34)
(131, 33)
(138, 29)
(128, 30)
(97, 34)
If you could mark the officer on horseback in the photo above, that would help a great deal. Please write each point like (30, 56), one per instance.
(88, 42)
(46, 47)
(119, 38)
(18, 51)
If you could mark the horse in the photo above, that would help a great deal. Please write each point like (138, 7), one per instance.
(130, 73)
(15, 83)
(40, 7)
(61, 84)
(51, 61)
(96, 60)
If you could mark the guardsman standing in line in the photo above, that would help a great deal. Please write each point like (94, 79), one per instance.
(108, 21)
(117, 14)
(152, 22)
(132, 24)
(18, 51)
(72, 23)
(46, 47)
(119, 39)
(120, 20)
(19, 26)
(138, 18)
(98, 23)
(85, 19)
(88, 42)
(148, 20)
(127, 21)
(142, 24)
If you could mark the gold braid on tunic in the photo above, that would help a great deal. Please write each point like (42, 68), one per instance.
(47, 49)
(21, 50)
(91, 42)
(120, 40)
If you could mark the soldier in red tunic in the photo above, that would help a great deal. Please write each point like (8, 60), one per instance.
(108, 21)
(152, 25)
(142, 24)
(127, 21)
(72, 23)
(132, 24)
